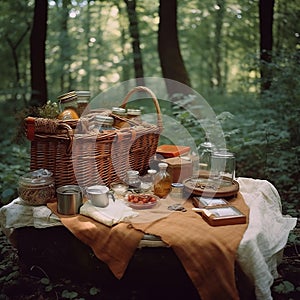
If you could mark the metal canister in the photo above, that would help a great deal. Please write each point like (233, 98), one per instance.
(69, 199)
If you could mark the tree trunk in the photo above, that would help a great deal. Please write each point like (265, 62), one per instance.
(64, 42)
(135, 37)
(218, 43)
(266, 11)
(171, 61)
(38, 54)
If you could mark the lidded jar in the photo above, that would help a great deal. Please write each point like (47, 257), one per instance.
(205, 151)
(133, 180)
(120, 115)
(134, 114)
(37, 187)
(162, 181)
(103, 123)
(83, 99)
(68, 101)
(148, 180)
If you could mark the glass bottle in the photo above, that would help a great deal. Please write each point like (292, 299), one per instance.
(162, 181)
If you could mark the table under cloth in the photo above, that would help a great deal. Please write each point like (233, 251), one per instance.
(207, 253)
(257, 252)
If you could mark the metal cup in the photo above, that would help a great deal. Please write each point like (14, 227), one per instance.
(69, 199)
(98, 195)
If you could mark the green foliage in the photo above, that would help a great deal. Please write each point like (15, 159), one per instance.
(14, 163)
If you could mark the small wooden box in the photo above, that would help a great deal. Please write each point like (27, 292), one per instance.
(179, 168)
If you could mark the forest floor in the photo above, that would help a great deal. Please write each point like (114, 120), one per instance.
(18, 283)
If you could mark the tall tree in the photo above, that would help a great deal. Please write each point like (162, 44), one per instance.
(135, 37)
(171, 61)
(266, 13)
(220, 11)
(38, 53)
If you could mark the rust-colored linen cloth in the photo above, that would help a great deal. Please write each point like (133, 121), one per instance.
(207, 253)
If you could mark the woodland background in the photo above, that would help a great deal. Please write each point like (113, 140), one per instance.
(242, 56)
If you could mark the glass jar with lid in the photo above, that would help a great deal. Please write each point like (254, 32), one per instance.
(104, 123)
(83, 99)
(37, 187)
(148, 180)
(68, 101)
(134, 114)
(120, 115)
(205, 151)
(133, 180)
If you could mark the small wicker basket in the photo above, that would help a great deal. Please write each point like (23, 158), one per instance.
(78, 156)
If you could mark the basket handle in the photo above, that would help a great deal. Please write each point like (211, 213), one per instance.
(33, 124)
(156, 103)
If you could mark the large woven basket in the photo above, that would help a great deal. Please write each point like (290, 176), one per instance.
(76, 156)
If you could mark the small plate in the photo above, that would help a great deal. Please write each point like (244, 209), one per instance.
(141, 198)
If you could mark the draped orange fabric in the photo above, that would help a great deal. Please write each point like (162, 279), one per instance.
(207, 253)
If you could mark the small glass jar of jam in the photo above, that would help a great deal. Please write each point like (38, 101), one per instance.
(83, 99)
(68, 101)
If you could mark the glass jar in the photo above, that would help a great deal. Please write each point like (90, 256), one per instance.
(83, 99)
(177, 190)
(37, 187)
(205, 151)
(120, 117)
(134, 181)
(147, 181)
(162, 181)
(68, 101)
(134, 114)
(223, 165)
(104, 123)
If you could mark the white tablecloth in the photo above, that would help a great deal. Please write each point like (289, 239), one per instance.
(258, 251)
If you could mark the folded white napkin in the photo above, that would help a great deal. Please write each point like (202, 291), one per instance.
(110, 215)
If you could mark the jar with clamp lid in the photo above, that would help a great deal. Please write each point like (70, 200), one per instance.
(104, 123)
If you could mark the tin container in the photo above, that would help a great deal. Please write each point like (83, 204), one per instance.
(69, 199)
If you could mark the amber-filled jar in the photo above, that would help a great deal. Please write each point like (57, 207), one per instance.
(68, 101)
(162, 181)
(83, 99)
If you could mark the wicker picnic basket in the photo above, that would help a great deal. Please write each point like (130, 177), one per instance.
(76, 155)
